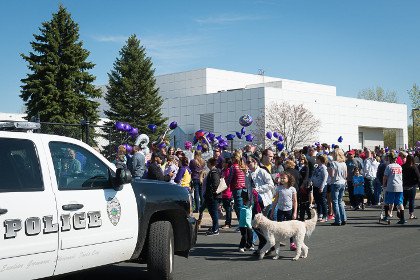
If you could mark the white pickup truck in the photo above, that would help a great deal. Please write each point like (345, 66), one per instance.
(64, 208)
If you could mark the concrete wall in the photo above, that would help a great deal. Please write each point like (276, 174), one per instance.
(230, 95)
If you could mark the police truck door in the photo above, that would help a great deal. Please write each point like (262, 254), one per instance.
(28, 213)
(98, 222)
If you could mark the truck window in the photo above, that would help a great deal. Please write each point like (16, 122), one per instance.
(78, 169)
(19, 166)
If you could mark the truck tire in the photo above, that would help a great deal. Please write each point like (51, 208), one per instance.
(160, 259)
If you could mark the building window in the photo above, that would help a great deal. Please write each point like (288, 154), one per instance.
(207, 122)
(361, 138)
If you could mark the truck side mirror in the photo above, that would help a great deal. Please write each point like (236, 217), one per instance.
(122, 176)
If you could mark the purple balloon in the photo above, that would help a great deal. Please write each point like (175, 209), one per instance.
(230, 136)
(332, 146)
(134, 131)
(249, 137)
(152, 127)
(127, 127)
(276, 134)
(280, 146)
(245, 120)
(199, 147)
(269, 135)
(119, 126)
(128, 148)
(219, 138)
(280, 137)
(195, 140)
(239, 135)
(340, 139)
(211, 137)
(386, 149)
(418, 144)
(162, 145)
(173, 125)
(243, 131)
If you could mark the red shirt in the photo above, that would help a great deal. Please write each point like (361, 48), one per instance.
(237, 181)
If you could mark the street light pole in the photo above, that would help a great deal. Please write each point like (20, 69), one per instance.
(413, 116)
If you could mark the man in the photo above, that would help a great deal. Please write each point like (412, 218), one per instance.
(73, 165)
(260, 180)
(394, 189)
(154, 172)
(369, 171)
(137, 164)
(217, 155)
(267, 160)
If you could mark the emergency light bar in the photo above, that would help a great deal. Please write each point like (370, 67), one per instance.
(19, 126)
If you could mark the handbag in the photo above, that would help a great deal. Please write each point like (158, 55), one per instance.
(222, 186)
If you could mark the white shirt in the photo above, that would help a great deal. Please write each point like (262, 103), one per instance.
(263, 184)
(370, 168)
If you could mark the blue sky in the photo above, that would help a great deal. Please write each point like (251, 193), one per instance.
(352, 45)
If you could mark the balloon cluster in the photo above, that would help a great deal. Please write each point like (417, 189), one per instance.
(132, 132)
(279, 142)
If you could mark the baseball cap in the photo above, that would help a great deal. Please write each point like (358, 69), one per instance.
(392, 155)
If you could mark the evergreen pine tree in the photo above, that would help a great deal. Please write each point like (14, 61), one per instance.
(59, 88)
(132, 95)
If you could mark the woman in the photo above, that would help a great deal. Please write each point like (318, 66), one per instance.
(211, 197)
(338, 175)
(183, 177)
(411, 179)
(236, 181)
(196, 166)
(305, 189)
(319, 182)
(227, 194)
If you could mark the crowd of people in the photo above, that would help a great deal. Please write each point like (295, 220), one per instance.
(282, 185)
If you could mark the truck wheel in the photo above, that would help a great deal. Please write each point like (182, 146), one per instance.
(160, 260)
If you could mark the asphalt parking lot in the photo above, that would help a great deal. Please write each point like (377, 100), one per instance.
(362, 249)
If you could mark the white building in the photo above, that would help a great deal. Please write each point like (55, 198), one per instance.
(213, 100)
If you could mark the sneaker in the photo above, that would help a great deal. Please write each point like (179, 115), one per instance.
(225, 226)
(252, 248)
(401, 222)
(412, 217)
(292, 247)
(242, 250)
(211, 233)
(343, 223)
(238, 229)
(385, 219)
(331, 217)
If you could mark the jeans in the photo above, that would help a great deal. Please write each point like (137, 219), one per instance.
(369, 191)
(409, 196)
(321, 202)
(246, 237)
(350, 189)
(226, 202)
(377, 185)
(198, 196)
(337, 191)
(238, 201)
(213, 206)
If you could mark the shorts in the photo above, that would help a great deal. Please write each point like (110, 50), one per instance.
(394, 198)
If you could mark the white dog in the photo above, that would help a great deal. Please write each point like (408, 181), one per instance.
(274, 232)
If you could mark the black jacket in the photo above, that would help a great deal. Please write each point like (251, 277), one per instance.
(410, 175)
(212, 183)
(154, 172)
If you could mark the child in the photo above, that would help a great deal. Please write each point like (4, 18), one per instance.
(358, 191)
(286, 201)
(245, 223)
(171, 166)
